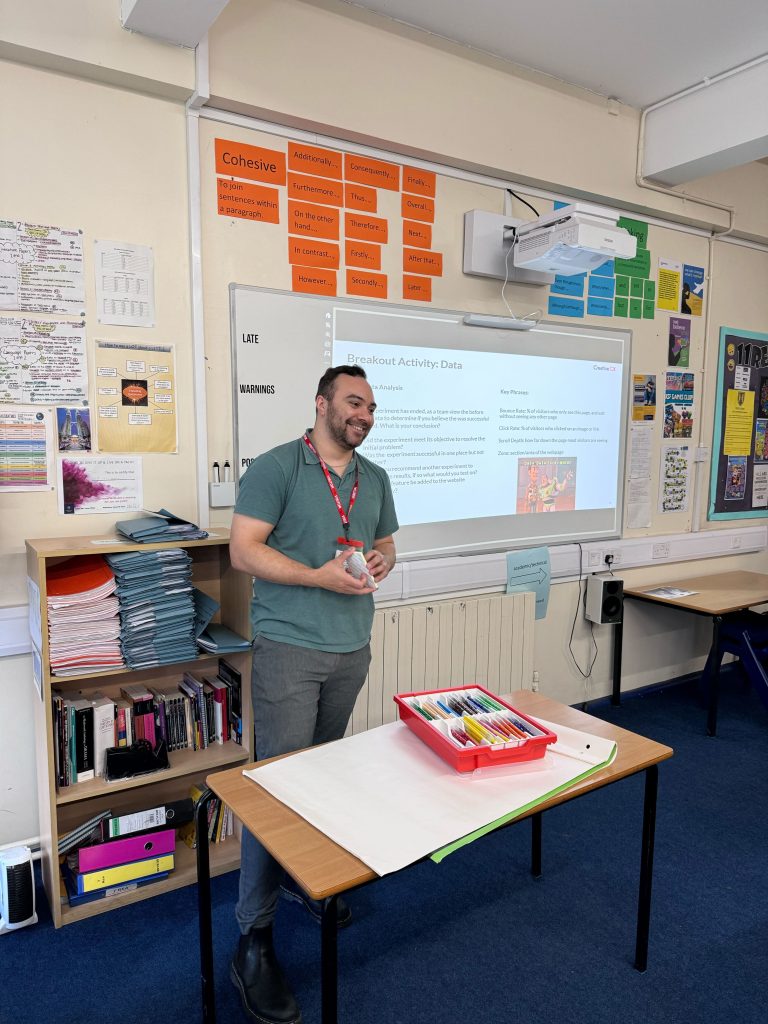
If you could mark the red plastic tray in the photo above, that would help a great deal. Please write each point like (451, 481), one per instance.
(436, 733)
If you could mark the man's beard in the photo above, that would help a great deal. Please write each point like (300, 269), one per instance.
(341, 433)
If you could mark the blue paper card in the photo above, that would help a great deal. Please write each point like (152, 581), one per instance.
(565, 307)
(568, 285)
(530, 570)
(599, 307)
(602, 287)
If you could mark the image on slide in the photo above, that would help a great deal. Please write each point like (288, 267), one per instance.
(546, 485)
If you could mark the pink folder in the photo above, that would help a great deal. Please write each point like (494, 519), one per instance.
(122, 851)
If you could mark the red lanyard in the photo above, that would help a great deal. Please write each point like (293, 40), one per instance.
(332, 487)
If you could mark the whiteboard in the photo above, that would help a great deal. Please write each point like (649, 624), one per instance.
(493, 439)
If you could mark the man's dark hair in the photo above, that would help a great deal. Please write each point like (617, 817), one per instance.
(327, 384)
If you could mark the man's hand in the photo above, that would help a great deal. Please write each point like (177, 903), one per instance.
(381, 559)
(333, 576)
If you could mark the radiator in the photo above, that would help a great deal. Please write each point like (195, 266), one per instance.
(486, 640)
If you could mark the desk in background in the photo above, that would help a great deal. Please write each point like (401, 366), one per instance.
(717, 594)
(325, 870)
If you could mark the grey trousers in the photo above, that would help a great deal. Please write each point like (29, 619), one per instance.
(301, 697)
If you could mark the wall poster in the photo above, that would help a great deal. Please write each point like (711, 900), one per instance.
(739, 473)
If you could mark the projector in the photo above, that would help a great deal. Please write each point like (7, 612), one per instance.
(572, 240)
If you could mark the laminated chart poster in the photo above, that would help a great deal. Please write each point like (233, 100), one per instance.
(41, 268)
(26, 449)
(125, 284)
(42, 362)
(135, 397)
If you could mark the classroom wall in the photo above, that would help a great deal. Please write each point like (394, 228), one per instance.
(99, 143)
(112, 162)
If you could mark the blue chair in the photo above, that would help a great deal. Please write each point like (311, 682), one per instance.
(744, 634)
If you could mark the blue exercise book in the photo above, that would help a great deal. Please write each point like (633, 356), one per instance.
(158, 527)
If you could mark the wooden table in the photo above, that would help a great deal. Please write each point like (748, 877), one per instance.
(717, 594)
(325, 870)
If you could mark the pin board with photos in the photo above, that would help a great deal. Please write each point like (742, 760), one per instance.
(739, 476)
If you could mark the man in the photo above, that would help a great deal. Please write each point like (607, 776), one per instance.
(311, 623)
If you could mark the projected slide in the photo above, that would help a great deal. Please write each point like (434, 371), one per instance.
(493, 439)
(466, 434)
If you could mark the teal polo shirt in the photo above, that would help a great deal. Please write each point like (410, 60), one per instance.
(287, 487)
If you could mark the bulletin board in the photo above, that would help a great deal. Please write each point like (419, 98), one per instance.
(739, 476)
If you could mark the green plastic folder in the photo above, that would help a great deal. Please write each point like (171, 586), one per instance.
(443, 852)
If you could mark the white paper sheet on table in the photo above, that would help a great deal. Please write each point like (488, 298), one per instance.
(385, 797)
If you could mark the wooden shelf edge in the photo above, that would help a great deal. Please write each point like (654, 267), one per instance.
(183, 762)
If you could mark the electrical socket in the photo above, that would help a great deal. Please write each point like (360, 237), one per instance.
(595, 559)
(660, 550)
(735, 542)
(611, 559)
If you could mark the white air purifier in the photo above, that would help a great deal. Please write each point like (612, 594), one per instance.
(17, 889)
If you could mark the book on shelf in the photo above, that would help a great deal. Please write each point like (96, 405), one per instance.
(192, 686)
(170, 815)
(91, 829)
(232, 679)
(123, 730)
(221, 711)
(76, 899)
(122, 851)
(220, 821)
(219, 639)
(142, 707)
(103, 730)
(87, 881)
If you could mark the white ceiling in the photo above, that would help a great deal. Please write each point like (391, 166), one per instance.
(638, 52)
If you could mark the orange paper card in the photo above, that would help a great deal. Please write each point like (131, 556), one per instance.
(252, 202)
(366, 171)
(319, 282)
(309, 253)
(419, 288)
(318, 221)
(360, 282)
(316, 190)
(312, 160)
(421, 261)
(417, 207)
(418, 181)
(243, 161)
(362, 254)
(369, 229)
(358, 197)
(417, 234)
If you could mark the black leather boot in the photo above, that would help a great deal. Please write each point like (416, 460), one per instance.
(257, 976)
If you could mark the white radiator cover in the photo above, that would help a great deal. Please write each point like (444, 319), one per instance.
(486, 640)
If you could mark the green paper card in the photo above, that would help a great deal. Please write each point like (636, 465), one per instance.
(635, 309)
(637, 228)
(620, 307)
(636, 287)
(622, 286)
(649, 290)
(649, 309)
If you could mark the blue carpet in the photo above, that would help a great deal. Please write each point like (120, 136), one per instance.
(477, 938)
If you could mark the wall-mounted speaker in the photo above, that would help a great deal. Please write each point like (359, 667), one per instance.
(17, 889)
(605, 599)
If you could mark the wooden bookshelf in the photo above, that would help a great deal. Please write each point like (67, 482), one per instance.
(64, 809)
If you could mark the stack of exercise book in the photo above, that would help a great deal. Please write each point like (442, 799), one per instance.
(157, 612)
(156, 527)
(83, 623)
